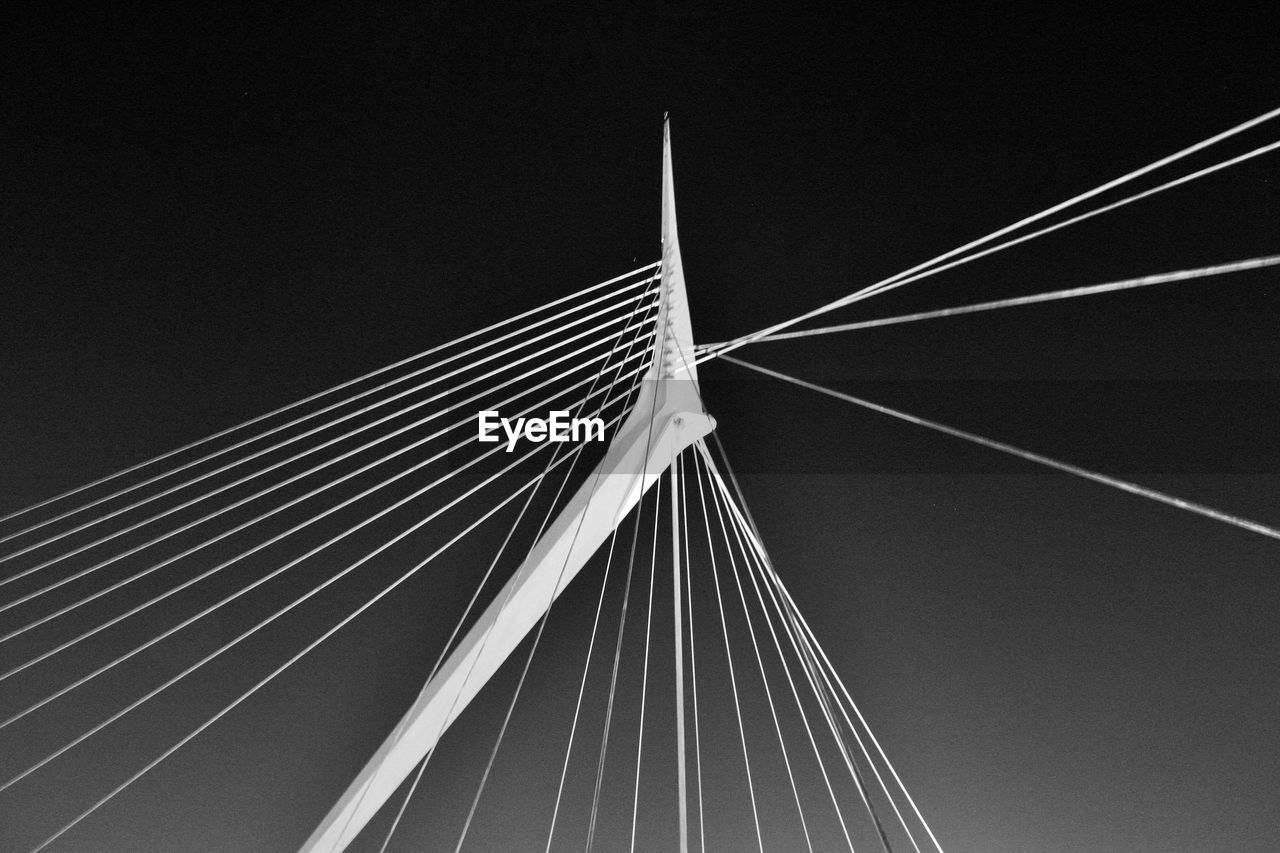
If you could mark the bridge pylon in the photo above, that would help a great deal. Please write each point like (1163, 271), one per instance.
(667, 417)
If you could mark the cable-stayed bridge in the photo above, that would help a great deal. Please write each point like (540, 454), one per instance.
(673, 698)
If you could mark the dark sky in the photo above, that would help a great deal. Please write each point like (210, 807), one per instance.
(207, 214)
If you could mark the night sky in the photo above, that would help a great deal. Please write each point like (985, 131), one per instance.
(208, 214)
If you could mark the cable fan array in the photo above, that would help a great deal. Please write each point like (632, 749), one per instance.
(974, 250)
(166, 586)
(782, 757)
(141, 610)
(148, 587)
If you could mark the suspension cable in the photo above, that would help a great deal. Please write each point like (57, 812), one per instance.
(274, 511)
(422, 765)
(644, 669)
(693, 658)
(1123, 485)
(747, 556)
(1050, 296)
(262, 683)
(764, 677)
(331, 390)
(899, 278)
(737, 524)
(613, 683)
(284, 568)
(314, 591)
(545, 613)
(724, 628)
(617, 655)
(582, 686)
(323, 487)
(810, 640)
(505, 366)
(542, 624)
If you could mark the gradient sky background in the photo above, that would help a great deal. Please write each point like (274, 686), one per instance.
(208, 214)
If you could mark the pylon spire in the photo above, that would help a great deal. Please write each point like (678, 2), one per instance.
(676, 331)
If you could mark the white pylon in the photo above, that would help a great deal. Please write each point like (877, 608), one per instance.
(667, 417)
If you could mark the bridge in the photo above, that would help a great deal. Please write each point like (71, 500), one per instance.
(620, 664)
